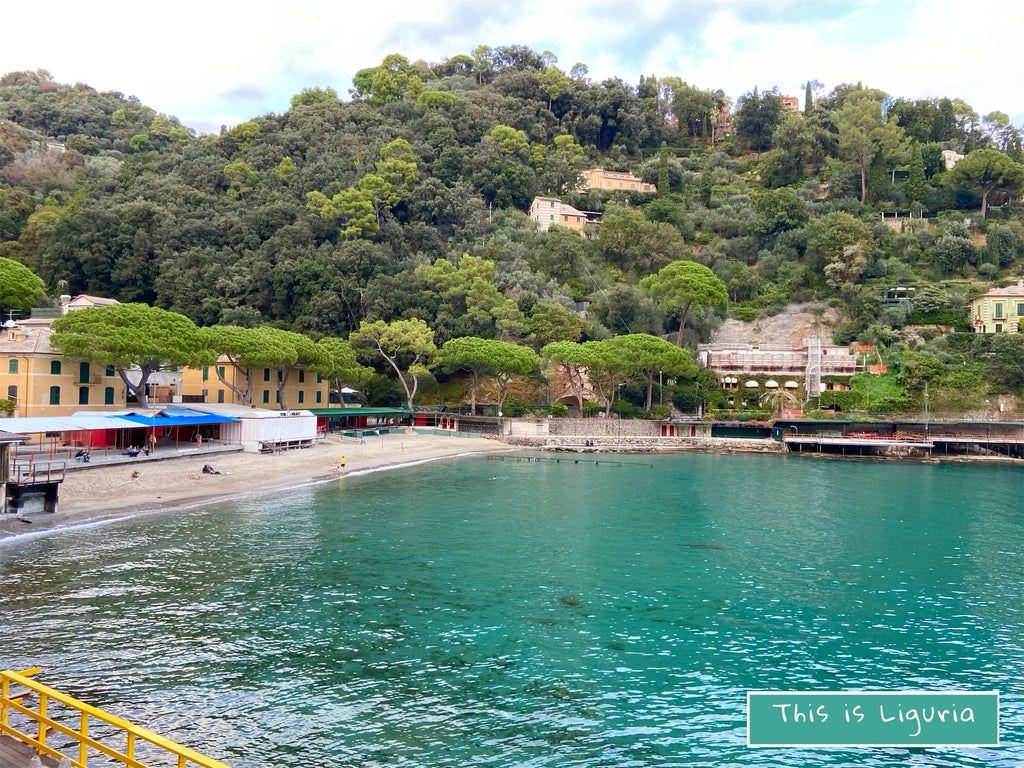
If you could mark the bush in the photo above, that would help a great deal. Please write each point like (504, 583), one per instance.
(847, 333)
(559, 410)
(623, 409)
(517, 408)
(659, 412)
(746, 312)
(988, 271)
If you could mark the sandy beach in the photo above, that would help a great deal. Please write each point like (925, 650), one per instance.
(108, 492)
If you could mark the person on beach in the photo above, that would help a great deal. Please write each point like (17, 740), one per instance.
(208, 470)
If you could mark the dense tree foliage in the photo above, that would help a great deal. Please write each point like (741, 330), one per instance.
(405, 202)
(19, 286)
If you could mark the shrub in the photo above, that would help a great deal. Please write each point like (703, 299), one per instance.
(559, 410)
(659, 412)
(746, 312)
(515, 408)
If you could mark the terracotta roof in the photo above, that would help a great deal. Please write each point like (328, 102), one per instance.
(1011, 290)
(30, 337)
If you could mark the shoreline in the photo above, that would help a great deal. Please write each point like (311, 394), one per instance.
(107, 494)
(104, 495)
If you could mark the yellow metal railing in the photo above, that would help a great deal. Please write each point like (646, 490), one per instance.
(36, 713)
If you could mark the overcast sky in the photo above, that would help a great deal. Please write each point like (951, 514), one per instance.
(219, 63)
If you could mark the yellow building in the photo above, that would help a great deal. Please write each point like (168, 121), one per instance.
(305, 389)
(599, 178)
(41, 383)
(998, 310)
(550, 211)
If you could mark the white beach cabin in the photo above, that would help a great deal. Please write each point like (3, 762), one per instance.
(262, 429)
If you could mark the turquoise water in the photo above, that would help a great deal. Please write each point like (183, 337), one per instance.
(486, 612)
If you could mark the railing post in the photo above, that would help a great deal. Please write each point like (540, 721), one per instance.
(83, 748)
(42, 714)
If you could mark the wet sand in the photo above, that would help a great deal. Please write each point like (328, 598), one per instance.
(100, 493)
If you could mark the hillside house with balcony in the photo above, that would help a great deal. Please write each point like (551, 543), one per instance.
(998, 310)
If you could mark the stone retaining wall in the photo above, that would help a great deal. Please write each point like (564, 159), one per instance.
(645, 444)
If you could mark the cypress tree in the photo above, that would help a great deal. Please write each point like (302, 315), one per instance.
(916, 181)
(808, 99)
(663, 180)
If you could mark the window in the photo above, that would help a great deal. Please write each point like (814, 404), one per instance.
(266, 395)
(55, 367)
(319, 396)
(999, 310)
(108, 396)
(55, 394)
(83, 395)
(220, 395)
(302, 377)
(220, 371)
(302, 396)
(83, 373)
(12, 393)
(266, 374)
(999, 327)
(206, 374)
(320, 378)
(109, 371)
(12, 365)
(1020, 309)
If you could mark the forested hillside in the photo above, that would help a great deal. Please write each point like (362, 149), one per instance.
(407, 199)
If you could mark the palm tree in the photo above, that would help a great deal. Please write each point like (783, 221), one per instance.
(779, 400)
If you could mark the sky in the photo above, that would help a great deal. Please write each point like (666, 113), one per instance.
(220, 63)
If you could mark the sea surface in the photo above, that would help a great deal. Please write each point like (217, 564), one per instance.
(496, 611)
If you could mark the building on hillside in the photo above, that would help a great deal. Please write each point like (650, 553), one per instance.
(40, 382)
(612, 181)
(304, 389)
(550, 211)
(812, 368)
(950, 158)
(998, 310)
(83, 301)
(790, 103)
